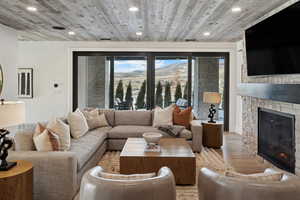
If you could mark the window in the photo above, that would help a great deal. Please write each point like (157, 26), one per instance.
(171, 81)
(130, 76)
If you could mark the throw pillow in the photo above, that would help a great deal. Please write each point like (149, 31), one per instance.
(127, 177)
(45, 140)
(23, 141)
(259, 177)
(182, 117)
(62, 130)
(95, 120)
(78, 124)
(163, 116)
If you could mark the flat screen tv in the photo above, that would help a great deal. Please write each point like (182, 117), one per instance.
(273, 45)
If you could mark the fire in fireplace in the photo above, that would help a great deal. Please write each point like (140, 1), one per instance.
(276, 138)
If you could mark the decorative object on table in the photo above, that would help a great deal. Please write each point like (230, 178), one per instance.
(11, 113)
(212, 98)
(1, 79)
(17, 183)
(25, 83)
(5, 144)
(212, 134)
(152, 138)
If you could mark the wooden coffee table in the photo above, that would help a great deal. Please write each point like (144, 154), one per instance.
(175, 153)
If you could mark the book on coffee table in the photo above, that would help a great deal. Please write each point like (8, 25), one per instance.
(152, 148)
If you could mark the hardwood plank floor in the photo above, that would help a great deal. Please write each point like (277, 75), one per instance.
(237, 155)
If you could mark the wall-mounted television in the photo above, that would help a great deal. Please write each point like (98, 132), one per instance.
(273, 45)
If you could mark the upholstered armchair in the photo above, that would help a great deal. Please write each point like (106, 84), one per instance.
(214, 186)
(98, 185)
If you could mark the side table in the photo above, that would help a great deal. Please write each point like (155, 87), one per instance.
(17, 183)
(212, 134)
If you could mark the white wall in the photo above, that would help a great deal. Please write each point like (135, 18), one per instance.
(8, 61)
(52, 62)
(239, 102)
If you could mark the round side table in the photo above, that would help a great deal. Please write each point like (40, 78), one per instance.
(17, 183)
(212, 134)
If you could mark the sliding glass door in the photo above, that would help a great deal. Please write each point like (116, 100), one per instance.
(209, 76)
(93, 81)
(143, 80)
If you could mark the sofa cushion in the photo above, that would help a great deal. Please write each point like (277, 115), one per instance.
(109, 114)
(94, 119)
(139, 118)
(45, 140)
(78, 124)
(182, 117)
(24, 142)
(22, 136)
(123, 132)
(62, 130)
(163, 116)
(85, 146)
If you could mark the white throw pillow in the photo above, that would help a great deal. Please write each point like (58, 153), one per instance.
(61, 129)
(95, 120)
(259, 177)
(45, 140)
(78, 124)
(163, 116)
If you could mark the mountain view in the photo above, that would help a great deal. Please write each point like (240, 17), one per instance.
(173, 71)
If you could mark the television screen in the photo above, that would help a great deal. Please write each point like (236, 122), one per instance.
(273, 45)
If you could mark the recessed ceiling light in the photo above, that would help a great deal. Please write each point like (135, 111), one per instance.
(139, 33)
(206, 33)
(236, 9)
(133, 9)
(31, 9)
(72, 33)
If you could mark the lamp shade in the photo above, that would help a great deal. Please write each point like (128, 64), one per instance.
(212, 97)
(11, 113)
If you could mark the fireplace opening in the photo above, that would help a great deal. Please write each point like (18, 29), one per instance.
(276, 138)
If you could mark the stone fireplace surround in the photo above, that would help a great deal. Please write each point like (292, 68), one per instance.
(250, 107)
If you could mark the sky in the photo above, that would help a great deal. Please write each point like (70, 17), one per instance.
(133, 65)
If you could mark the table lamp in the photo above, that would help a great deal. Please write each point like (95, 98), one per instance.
(11, 113)
(212, 98)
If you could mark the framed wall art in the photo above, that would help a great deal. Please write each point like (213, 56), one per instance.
(25, 83)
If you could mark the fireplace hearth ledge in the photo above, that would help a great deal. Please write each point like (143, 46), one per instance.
(288, 93)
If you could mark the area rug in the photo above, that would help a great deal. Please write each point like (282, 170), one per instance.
(209, 158)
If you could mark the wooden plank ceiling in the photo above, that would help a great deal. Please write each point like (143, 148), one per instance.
(159, 20)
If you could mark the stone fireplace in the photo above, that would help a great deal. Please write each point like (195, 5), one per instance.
(251, 104)
(276, 138)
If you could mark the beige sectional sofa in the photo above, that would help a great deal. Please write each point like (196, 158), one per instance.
(57, 175)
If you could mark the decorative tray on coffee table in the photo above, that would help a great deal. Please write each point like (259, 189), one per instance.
(152, 148)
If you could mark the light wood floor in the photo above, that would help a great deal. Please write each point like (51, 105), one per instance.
(237, 156)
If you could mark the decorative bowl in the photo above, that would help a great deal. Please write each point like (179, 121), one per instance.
(152, 138)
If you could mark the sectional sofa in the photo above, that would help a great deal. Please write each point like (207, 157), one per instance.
(57, 175)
